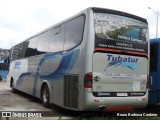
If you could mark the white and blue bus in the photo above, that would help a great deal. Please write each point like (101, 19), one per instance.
(95, 60)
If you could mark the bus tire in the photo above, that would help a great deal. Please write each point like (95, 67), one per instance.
(45, 96)
(12, 86)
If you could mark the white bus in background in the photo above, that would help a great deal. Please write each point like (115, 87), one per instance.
(95, 60)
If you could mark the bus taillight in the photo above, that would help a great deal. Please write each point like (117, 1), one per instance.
(88, 82)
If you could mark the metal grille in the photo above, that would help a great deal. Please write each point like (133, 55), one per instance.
(71, 91)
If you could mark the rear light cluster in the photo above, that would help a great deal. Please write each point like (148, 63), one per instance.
(88, 81)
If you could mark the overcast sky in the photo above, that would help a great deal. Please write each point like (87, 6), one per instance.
(19, 19)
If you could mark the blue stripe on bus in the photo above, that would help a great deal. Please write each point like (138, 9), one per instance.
(22, 76)
(65, 66)
(68, 61)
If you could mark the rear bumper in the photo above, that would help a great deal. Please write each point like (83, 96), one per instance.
(114, 103)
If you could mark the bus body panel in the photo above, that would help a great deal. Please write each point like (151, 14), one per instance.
(154, 83)
(87, 48)
(118, 73)
(17, 69)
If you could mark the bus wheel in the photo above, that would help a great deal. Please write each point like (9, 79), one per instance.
(12, 86)
(45, 96)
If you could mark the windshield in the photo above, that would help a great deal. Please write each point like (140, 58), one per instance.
(120, 32)
(117, 27)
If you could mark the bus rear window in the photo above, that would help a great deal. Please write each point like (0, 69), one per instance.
(121, 28)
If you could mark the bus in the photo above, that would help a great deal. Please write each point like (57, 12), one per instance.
(4, 66)
(96, 60)
(154, 86)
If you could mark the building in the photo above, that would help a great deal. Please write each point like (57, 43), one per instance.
(4, 53)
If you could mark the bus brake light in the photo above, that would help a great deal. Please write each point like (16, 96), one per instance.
(88, 82)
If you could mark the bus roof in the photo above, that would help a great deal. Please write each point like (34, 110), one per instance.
(116, 12)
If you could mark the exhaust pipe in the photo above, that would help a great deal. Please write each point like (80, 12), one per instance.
(102, 107)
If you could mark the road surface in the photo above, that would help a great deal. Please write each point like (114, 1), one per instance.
(18, 102)
(25, 103)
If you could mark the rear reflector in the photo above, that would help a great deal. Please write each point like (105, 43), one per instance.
(119, 108)
(88, 82)
(142, 99)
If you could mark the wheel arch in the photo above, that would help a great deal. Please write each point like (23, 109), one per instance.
(45, 82)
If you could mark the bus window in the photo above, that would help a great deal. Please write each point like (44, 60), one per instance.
(74, 32)
(153, 56)
(120, 28)
(24, 48)
(120, 32)
(19, 50)
(32, 47)
(43, 40)
(57, 39)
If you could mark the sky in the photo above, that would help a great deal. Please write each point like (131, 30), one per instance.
(20, 19)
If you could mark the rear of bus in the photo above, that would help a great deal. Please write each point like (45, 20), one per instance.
(118, 80)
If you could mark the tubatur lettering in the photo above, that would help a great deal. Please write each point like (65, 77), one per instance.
(122, 59)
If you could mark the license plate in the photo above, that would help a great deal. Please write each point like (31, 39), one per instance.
(122, 94)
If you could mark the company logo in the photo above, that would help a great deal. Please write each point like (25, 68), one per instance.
(17, 65)
(103, 94)
(96, 79)
(128, 62)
